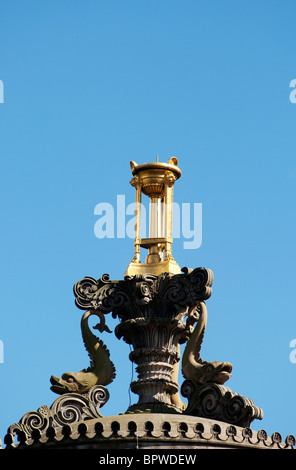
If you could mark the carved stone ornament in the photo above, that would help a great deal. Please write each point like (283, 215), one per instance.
(218, 402)
(101, 370)
(139, 295)
(152, 311)
(158, 306)
(150, 431)
(66, 410)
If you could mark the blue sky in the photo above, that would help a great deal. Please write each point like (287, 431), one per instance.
(89, 86)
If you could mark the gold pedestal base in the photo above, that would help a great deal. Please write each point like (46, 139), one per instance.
(166, 266)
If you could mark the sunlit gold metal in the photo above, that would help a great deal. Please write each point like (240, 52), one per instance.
(155, 180)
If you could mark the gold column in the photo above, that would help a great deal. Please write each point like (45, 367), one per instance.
(168, 207)
(137, 184)
(155, 180)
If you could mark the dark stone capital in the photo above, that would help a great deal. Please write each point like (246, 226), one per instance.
(151, 310)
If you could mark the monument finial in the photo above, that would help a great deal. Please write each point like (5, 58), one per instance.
(155, 180)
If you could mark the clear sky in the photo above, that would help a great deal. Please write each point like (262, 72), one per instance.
(89, 86)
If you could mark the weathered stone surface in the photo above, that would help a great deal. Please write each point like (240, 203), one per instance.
(67, 409)
(218, 402)
(152, 311)
(150, 431)
(101, 370)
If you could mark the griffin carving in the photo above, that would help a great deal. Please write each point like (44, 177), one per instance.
(101, 370)
(193, 367)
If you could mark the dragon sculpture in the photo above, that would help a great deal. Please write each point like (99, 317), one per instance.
(193, 367)
(101, 370)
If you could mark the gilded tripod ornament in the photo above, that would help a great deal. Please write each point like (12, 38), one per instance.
(156, 181)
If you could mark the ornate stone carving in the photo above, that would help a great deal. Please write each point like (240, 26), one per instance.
(148, 431)
(66, 410)
(140, 294)
(157, 306)
(193, 367)
(101, 370)
(152, 311)
(218, 402)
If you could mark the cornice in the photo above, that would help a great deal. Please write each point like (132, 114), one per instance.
(149, 431)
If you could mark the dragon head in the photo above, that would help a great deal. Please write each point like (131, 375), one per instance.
(215, 372)
(77, 382)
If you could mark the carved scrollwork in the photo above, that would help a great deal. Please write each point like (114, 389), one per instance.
(97, 397)
(183, 290)
(32, 421)
(216, 401)
(66, 410)
(72, 408)
(152, 311)
(126, 297)
(95, 294)
(118, 297)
